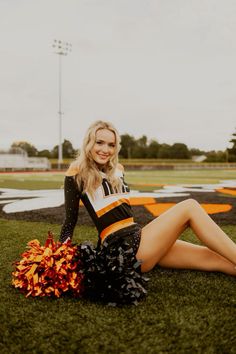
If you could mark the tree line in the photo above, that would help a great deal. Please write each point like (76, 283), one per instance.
(140, 148)
(67, 150)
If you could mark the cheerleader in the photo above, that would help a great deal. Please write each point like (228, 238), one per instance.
(114, 269)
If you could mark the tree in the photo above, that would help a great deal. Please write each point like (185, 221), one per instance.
(26, 146)
(216, 156)
(140, 148)
(180, 151)
(153, 149)
(232, 151)
(164, 151)
(127, 145)
(196, 152)
(44, 153)
(67, 150)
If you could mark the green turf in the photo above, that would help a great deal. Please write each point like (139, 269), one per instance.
(183, 177)
(184, 312)
(136, 179)
(35, 180)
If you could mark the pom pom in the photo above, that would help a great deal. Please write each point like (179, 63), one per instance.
(112, 274)
(49, 270)
(109, 273)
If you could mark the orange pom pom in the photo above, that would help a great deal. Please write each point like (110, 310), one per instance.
(49, 270)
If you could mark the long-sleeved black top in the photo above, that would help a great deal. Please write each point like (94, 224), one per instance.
(108, 208)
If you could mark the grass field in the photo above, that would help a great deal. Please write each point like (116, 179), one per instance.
(48, 180)
(184, 312)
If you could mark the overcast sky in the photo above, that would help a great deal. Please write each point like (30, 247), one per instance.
(163, 68)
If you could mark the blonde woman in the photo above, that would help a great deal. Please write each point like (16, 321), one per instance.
(114, 270)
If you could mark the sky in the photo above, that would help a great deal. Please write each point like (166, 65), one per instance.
(161, 68)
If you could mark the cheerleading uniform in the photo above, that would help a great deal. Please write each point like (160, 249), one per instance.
(109, 209)
(112, 273)
(108, 272)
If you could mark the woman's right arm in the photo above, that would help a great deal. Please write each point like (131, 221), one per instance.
(72, 198)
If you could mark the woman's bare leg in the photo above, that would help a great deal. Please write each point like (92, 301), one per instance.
(185, 255)
(160, 235)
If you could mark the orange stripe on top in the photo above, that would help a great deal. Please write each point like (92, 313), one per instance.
(112, 206)
(142, 200)
(115, 227)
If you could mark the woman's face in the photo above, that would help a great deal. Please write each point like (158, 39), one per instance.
(104, 146)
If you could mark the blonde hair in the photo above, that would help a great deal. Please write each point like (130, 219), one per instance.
(88, 175)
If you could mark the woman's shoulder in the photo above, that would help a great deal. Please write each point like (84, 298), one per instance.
(73, 169)
(120, 167)
(119, 170)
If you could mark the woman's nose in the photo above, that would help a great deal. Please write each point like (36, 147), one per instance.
(105, 148)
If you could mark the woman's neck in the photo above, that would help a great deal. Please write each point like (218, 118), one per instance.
(101, 168)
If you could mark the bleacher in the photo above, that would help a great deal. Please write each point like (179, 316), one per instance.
(17, 159)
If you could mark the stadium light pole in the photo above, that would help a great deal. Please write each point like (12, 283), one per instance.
(60, 48)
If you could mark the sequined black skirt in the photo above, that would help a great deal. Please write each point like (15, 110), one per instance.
(112, 271)
(130, 235)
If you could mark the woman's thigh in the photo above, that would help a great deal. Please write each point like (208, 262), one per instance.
(186, 255)
(159, 235)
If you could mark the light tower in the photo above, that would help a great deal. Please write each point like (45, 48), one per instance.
(60, 48)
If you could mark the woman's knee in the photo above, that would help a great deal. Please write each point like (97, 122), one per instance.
(191, 204)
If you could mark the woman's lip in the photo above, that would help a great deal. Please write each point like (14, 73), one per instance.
(103, 156)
